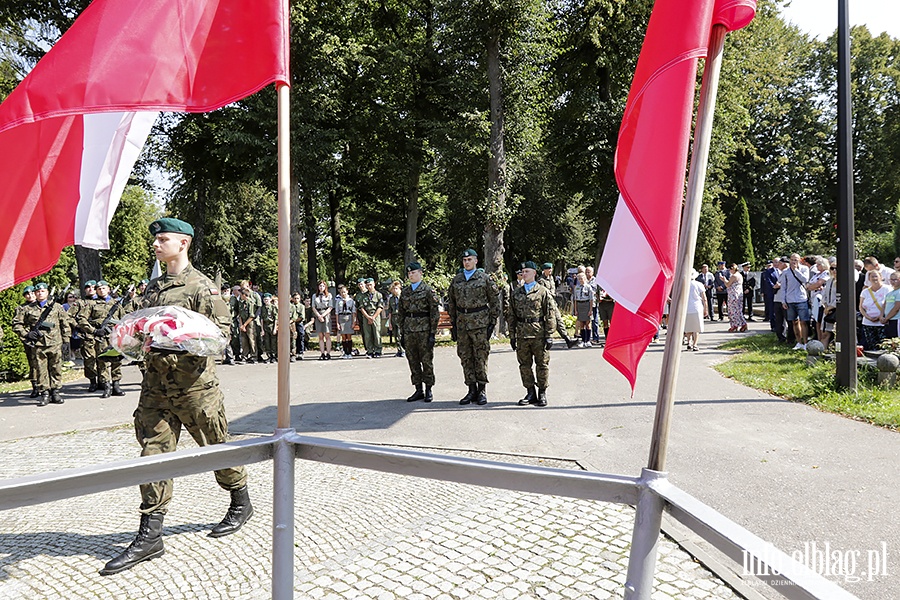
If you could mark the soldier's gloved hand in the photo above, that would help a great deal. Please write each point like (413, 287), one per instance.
(34, 335)
(548, 343)
(512, 343)
(431, 340)
(453, 333)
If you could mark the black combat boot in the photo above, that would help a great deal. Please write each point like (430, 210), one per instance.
(93, 386)
(470, 395)
(542, 397)
(481, 396)
(428, 395)
(107, 390)
(417, 395)
(570, 342)
(147, 544)
(42, 398)
(238, 513)
(34, 391)
(116, 390)
(56, 397)
(529, 397)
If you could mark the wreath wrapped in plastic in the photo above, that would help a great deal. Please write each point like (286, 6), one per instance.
(167, 328)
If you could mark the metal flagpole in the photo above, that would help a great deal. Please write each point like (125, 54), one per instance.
(648, 516)
(283, 463)
(846, 310)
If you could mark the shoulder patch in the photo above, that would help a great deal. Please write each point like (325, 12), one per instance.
(214, 291)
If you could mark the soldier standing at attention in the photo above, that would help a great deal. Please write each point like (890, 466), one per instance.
(88, 353)
(269, 317)
(358, 298)
(99, 318)
(546, 279)
(249, 311)
(474, 305)
(392, 313)
(417, 321)
(28, 294)
(371, 309)
(180, 389)
(297, 319)
(44, 325)
(531, 323)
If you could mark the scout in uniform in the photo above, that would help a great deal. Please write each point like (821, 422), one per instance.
(99, 318)
(417, 321)
(370, 325)
(298, 321)
(473, 304)
(180, 389)
(392, 314)
(531, 323)
(249, 314)
(269, 317)
(44, 325)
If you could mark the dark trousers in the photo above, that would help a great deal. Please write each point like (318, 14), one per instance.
(721, 299)
(768, 302)
(709, 303)
(748, 304)
(777, 322)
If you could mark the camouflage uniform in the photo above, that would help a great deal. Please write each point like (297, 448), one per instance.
(417, 320)
(392, 314)
(474, 306)
(234, 308)
(531, 323)
(269, 317)
(371, 332)
(249, 309)
(560, 326)
(47, 349)
(296, 316)
(90, 318)
(181, 389)
(29, 352)
(88, 352)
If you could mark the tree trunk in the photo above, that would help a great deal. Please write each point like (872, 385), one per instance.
(497, 217)
(337, 247)
(88, 261)
(309, 219)
(412, 212)
(603, 224)
(199, 236)
(296, 235)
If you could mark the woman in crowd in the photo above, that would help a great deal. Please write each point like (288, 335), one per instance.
(735, 287)
(583, 302)
(696, 311)
(892, 308)
(322, 305)
(345, 309)
(818, 278)
(871, 306)
(829, 308)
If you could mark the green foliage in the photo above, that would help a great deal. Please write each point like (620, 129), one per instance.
(877, 244)
(12, 355)
(130, 257)
(711, 235)
(739, 248)
(896, 232)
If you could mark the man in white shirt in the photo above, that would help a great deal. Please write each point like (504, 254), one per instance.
(870, 263)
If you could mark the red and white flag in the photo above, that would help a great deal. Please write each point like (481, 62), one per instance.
(72, 130)
(638, 261)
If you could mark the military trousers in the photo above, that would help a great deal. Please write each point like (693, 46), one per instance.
(180, 389)
(248, 342)
(32, 369)
(371, 335)
(48, 367)
(106, 364)
(270, 343)
(473, 348)
(89, 356)
(420, 356)
(560, 324)
(531, 351)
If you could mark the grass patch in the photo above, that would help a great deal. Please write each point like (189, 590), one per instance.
(765, 365)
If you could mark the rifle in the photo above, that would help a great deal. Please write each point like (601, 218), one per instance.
(63, 293)
(103, 329)
(35, 334)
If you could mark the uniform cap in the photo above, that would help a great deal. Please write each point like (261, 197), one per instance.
(145, 281)
(721, 262)
(267, 295)
(784, 259)
(414, 266)
(170, 225)
(361, 280)
(28, 289)
(90, 283)
(369, 280)
(469, 252)
(102, 282)
(547, 266)
(40, 286)
(746, 264)
(529, 264)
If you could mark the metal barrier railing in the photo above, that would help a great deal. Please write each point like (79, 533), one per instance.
(651, 494)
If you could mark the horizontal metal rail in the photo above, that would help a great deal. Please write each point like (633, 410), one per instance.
(759, 558)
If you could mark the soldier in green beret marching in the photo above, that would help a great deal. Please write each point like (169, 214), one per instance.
(44, 325)
(417, 321)
(531, 323)
(180, 389)
(473, 304)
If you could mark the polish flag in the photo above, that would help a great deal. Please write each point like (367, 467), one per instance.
(638, 262)
(72, 130)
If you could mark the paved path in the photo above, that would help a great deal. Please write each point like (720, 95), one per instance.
(791, 474)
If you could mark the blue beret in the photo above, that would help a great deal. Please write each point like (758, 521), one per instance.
(169, 225)
(469, 252)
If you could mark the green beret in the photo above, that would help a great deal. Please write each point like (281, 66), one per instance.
(361, 280)
(28, 289)
(469, 252)
(547, 266)
(267, 295)
(102, 282)
(169, 225)
(529, 264)
(90, 283)
(40, 286)
(414, 266)
(369, 280)
(145, 281)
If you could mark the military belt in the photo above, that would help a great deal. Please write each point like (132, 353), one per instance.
(530, 320)
(468, 311)
(417, 315)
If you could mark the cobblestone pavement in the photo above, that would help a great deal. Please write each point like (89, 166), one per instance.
(359, 534)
